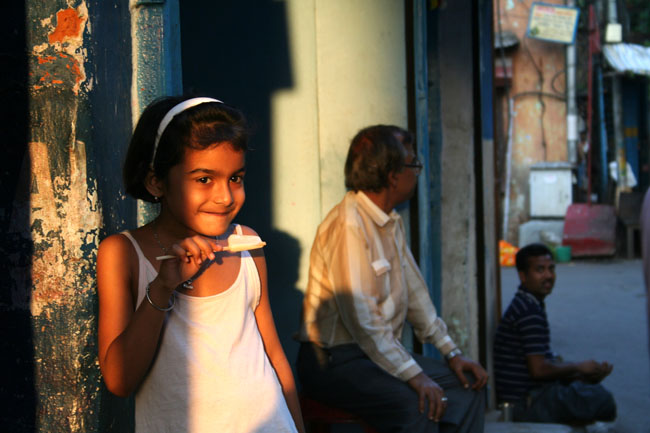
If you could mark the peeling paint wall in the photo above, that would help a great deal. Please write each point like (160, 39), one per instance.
(63, 215)
(60, 58)
(539, 124)
(53, 218)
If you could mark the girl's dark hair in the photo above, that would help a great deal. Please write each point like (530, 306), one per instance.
(374, 152)
(198, 127)
(530, 250)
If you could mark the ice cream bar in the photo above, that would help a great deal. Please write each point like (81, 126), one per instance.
(236, 243)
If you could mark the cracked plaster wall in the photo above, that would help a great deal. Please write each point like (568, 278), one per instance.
(54, 223)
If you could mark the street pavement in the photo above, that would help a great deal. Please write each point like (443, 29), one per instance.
(598, 311)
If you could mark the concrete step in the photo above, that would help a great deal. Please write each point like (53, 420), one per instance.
(531, 427)
(493, 424)
(525, 427)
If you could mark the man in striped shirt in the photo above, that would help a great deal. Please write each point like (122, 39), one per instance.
(527, 374)
(363, 285)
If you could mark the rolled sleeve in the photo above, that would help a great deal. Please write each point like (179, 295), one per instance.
(422, 315)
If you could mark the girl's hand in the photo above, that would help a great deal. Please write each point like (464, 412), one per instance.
(190, 253)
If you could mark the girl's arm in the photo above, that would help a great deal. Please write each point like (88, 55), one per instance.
(127, 339)
(272, 344)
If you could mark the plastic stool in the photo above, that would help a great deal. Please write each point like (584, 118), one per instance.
(319, 417)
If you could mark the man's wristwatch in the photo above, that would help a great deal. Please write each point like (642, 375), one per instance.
(455, 352)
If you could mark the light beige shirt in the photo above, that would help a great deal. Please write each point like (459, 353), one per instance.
(363, 285)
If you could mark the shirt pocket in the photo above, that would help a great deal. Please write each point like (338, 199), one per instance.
(381, 266)
(384, 300)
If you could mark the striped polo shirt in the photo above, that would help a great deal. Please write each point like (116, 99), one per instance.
(523, 331)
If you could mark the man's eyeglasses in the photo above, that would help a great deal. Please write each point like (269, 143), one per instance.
(415, 164)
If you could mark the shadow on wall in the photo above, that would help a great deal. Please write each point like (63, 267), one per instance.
(239, 53)
(283, 257)
(17, 390)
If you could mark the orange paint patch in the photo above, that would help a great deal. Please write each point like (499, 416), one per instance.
(74, 67)
(46, 59)
(77, 72)
(68, 25)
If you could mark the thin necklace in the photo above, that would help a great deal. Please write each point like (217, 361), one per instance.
(155, 236)
(188, 283)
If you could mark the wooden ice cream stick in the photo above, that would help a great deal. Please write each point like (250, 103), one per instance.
(236, 243)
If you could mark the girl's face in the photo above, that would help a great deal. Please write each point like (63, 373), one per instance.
(205, 191)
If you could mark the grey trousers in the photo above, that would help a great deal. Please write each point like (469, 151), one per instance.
(344, 377)
(573, 403)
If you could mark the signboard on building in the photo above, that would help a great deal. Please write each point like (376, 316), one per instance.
(553, 23)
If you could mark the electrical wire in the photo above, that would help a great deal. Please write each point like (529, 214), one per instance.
(540, 76)
(557, 74)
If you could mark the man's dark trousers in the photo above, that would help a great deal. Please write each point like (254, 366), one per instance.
(567, 403)
(344, 377)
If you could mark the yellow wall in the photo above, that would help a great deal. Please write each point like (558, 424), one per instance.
(349, 69)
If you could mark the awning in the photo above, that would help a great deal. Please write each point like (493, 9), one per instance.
(628, 58)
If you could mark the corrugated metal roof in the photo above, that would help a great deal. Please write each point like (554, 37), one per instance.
(628, 58)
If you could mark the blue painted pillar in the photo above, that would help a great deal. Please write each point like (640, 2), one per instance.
(156, 63)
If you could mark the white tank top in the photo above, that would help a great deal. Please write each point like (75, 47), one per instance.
(211, 373)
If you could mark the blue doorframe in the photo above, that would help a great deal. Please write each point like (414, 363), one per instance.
(429, 139)
(631, 92)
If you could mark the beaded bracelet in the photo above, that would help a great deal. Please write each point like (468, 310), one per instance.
(171, 307)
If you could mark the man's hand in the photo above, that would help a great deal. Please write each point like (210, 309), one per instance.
(594, 372)
(589, 371)
(459, 364)
(428, 389)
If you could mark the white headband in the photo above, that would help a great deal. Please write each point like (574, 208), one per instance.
(171, 114)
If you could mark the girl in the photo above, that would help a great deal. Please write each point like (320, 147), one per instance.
(193, 337)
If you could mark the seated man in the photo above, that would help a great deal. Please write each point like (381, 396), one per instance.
(363, 285)
(542, 388)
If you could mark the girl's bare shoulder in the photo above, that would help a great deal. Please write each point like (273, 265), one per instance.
(247, 230)
(118, 247)
(257, 254)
